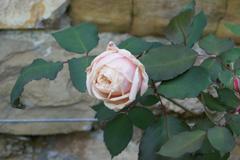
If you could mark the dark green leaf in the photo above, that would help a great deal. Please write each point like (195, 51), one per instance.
(155, 44)
(213, 67)
(206, 147)
(135, 45)
(234, 121)
(230, 56)
(80, 39)
(234, 28)
(203, 124)
(77, 68)
(185, 142)
(221, 139)
(212, 103)
(237, 66)
(141, 117)
(196, 30)
(37, 70)
(148, 100)
(190, 6)
(117, 134)
(168, 62)
(214, 45)
(213, 156)
(187, 85)
(179, 27)
(227, 97)
(157, 134)
(103, 113)
(226, 77)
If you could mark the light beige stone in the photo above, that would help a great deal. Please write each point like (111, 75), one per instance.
(232, 16)
(109, 15)
(43, 98)
(30, 13)
(151, 17)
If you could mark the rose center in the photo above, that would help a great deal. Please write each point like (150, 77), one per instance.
(110, 81)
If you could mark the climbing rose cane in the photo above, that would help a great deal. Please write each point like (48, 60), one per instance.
(116, 76)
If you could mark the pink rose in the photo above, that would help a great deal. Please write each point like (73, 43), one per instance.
(115, 76)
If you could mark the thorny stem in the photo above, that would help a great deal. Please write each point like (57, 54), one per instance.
(174, 102)
(179, 105)
(159, 97)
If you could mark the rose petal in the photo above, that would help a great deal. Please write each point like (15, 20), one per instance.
(135, 85)
(112, 47)
(145, 79)
(117, 105)
(124, 66)
(88, 84)
(98, 94)
(106, 60)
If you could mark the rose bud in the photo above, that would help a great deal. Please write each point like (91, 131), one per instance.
(116, 76)
(236, 85)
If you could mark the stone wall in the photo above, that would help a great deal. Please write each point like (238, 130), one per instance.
(139, 17)
(144, 17)
(26, 27)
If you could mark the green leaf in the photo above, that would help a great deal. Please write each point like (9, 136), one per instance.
(189, 6)
(135, 45)
(155, 44)
(237, 66)
(230, 56)
(228, 97)
(203, 124)
(117, 134)
(148, 100)
(141, 117)
(226, 77)
(213, 156)
(179, 27)
(212, 103)
(187, 85)
(233, 121)
(77, 69)
(157, 134)
(206, 147)
(221, 139)
(234, 28)
(37, 70)
(185, 142)
(196, 30)
(213, 67)
(103, 113)
(80, 39)
(214, 45)
(167, 62)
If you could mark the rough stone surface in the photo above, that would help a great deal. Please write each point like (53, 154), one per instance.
(151, 17)
(75, 146)
(109, 15)
(141, 17)
(232, 16)
(30, 13)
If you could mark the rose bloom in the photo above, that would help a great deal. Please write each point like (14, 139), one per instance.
(116, 76)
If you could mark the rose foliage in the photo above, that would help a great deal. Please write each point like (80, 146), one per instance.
(135, 78)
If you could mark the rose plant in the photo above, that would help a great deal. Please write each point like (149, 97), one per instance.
(133, 78)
